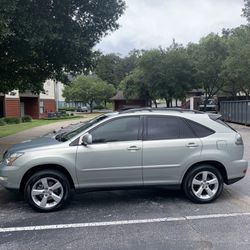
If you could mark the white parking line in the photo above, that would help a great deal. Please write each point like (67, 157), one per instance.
(118, 223)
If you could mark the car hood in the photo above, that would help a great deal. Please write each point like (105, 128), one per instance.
(35, 143)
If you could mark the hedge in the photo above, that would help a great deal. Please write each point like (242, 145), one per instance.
(2, 122)
(12, 120)
(27, 118)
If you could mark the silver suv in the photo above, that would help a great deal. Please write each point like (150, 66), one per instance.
(145, 147)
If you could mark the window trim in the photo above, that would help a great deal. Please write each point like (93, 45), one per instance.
(139, 134)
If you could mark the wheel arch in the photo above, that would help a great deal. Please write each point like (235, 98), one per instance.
(38, 168)
(218, 165)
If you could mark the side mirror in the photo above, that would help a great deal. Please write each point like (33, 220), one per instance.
(86, 139)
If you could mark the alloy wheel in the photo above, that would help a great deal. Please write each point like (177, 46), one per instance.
(205, 185)
(47, 192)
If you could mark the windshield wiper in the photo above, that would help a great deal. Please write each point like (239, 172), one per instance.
(59, 136)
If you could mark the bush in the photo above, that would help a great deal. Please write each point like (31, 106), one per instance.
(99, 106)
(109, 105)
(2, 122)
(68, 109)
(72, 114)
(12, 120)
(27, 118)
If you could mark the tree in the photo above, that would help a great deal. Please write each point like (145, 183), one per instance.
(88, 89)
(133, 86)
(236, 68)
(178, 71)
(150, 64)
(246, 10)
(161, 73)
(113, 68)
(108, 69)
(46, 39)
(208, 57)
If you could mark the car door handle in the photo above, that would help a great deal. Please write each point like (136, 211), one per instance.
(192, 145)
(133, 148)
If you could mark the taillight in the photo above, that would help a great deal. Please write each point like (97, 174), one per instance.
(238, 139)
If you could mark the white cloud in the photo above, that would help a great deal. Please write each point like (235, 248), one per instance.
(152, 23)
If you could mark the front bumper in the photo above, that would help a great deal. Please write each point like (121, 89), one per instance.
(9, 177)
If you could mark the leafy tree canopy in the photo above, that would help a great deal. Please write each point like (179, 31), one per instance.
(88, 89)
(246, 10)
(236, 68)
(113, 68)
(161, 73)
(42, 39)
(208, 57)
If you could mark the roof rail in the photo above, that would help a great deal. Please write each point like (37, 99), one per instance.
(149, 109)
(136, 110)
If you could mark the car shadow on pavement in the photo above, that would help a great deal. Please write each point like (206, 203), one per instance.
(155, 199)
(100, 198)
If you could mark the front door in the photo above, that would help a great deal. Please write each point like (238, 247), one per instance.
(169, 146)
(115, 156)
(22, 109)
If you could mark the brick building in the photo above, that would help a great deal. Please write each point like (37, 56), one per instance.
(17, 104)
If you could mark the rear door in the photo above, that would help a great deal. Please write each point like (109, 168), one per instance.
(169, 146)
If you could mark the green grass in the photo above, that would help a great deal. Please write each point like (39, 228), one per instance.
(15, 128)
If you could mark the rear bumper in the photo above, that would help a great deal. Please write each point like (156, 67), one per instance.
(231, 181)
(237, 171)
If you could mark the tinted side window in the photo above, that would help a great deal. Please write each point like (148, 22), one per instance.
(122, 129)
(167, 127)
(185, 130)
(200, 130)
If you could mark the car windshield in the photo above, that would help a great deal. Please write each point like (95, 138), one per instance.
(67, 136)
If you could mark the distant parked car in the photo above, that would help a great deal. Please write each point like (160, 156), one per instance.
(187, 150)
(211, 106)
(82, 109)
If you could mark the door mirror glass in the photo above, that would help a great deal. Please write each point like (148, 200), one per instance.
(86, 139)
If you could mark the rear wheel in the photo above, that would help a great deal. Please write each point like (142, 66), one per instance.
(47, 190)
(203, 184)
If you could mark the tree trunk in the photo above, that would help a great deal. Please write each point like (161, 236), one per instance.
(205, 103)
(91, 106)
(155, 103)
(167, 103)
(176, 103)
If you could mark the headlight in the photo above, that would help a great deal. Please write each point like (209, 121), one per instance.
(9, 160)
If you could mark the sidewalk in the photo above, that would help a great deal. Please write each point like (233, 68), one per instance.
(8, 141)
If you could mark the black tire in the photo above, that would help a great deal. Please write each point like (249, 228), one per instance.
(190, 188)
(51, 176)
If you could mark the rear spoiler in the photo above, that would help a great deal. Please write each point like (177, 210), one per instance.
(218, 118)
(215, 116)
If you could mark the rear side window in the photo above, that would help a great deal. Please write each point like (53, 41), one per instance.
(167, 127)
(200, 130)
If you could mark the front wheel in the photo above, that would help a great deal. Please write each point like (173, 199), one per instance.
(47, 190)
(203, 184)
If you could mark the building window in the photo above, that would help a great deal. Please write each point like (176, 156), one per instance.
(41, 107)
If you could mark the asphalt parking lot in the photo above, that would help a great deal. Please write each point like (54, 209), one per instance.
(134, 219)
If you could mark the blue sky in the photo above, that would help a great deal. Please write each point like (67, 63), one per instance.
(152, 23)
